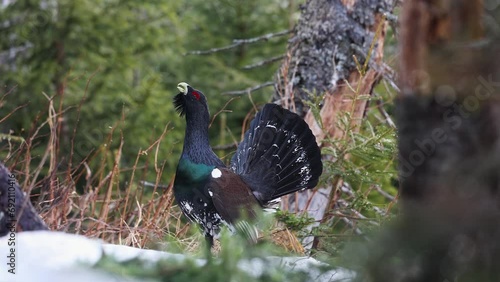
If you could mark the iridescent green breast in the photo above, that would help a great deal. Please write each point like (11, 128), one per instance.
(190, 175)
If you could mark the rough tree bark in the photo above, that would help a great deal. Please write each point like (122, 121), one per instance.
(321, 61)
(16, 212)
(448, 115)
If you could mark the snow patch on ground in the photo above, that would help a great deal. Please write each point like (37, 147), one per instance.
(56, 256)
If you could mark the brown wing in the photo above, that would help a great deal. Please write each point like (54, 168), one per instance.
(231, 196)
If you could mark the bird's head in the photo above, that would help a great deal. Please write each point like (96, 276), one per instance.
(190, 101)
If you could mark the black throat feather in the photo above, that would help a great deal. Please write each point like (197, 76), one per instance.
(180, 104)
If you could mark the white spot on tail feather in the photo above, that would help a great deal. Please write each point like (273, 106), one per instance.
(305, 173)
(292, 138)
(216, 173)
(302, 157)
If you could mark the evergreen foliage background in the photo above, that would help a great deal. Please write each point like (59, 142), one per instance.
(105, 73)
(126, 57)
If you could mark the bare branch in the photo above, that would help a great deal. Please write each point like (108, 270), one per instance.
(212, 50)
(384, 193)
(238, 42)
(249, 90)
(265, 62)
(264, 37)
(387, 117)
(223, 110)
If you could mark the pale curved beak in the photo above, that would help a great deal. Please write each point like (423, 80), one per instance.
(183, 88)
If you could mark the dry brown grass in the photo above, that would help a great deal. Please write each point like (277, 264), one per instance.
(112, 204)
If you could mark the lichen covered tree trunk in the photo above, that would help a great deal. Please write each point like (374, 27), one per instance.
(326, 56)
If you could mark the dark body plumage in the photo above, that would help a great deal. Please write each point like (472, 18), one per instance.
(278, 156)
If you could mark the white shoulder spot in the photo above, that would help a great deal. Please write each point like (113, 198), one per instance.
(216, 173)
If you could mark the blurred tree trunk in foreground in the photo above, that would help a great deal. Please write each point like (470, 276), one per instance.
(327, 55)
(448, 115)
(446, 110)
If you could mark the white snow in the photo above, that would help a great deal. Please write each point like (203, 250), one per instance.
(56, 256)
(50, 256)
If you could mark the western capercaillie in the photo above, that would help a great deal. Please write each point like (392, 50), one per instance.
(278, 156)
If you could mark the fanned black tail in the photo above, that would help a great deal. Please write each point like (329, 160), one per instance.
(279, 155)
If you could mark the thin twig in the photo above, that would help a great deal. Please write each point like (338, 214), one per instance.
(388, 119)
(249, 90)
(212, 50)
(264, 37)
(12, 112)
(352, 225)
(264, 62)
(384, 193)
(345, 204)
(223, 110)
(238, 42)
(151, 184)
